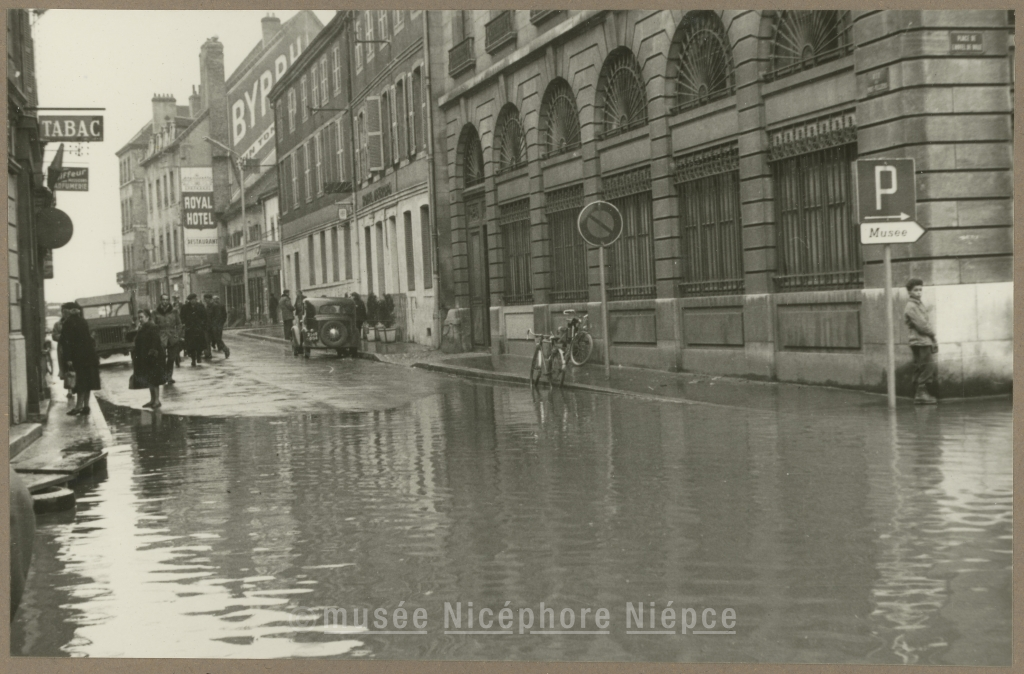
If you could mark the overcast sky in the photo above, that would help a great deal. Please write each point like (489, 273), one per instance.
(117, 59)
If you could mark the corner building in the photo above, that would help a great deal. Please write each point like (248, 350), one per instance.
(727, 141)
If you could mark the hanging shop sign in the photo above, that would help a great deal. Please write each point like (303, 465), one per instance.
(198, 221)
(71, 128)
(53, 228)
(72, 180)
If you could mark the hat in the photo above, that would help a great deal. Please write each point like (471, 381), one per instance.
(191, 296)
(285, 291)
(207, 296)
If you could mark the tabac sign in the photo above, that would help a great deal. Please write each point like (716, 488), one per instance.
(198, 220)
(71, 128)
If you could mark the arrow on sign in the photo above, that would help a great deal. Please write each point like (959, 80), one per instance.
(890, 232)
(890, 218)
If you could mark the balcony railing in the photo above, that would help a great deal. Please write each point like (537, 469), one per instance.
(540, 15)
(461, 57)
(501, 30)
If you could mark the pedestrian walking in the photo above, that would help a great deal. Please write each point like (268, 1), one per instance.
(922, 342)
(176, 305)
(62, 371)
(208, 344)
(149, 359)
(169, 324)
(218, 316)
(193, 318)
(360, 313)
(287, 313)
(80, 359)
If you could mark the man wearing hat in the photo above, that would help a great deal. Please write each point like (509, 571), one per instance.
(218, 316)
(208, 305)
(287, 313)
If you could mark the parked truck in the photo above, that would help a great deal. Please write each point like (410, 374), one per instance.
(112, 322)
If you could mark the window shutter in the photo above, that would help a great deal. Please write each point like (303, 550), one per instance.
(395, 153)
(318, 148)
(374, 136)
(324, 91)
(315, 85)
(341, 151)
(410, 102)
(294, 174)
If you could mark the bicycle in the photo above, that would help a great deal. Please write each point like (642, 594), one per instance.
(554, 362)
(581, 344)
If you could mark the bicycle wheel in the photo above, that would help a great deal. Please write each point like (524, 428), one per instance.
(556, 367)
(536, 367)
(581, 348)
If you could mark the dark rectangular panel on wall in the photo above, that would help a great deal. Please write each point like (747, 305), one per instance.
(633, 327)
(713, 327)
(819, 326)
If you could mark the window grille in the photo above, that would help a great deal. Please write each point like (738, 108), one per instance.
(817, 237)
(709, 222)
(622, 95)
(510, 139)
(568, 249)
(514, 221)
(631, 258)
(704, 68)
(473, 162)
(559, 119)
(806, 38)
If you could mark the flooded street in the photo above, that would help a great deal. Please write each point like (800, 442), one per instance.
(835, 532)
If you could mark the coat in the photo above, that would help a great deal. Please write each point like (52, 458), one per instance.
(193, 317)
(287, 310)
(919, 325)
(78, 348)
(217, 315)
(148, 356)
(168, 322)
(360, 310)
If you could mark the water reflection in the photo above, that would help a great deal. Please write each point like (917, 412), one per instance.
(837, 535)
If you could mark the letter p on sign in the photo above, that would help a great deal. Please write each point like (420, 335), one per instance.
(881, 191)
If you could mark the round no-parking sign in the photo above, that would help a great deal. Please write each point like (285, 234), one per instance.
(600, 223)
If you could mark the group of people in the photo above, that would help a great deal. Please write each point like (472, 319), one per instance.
(194, 327)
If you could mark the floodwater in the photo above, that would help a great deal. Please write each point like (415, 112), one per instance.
(834, 532)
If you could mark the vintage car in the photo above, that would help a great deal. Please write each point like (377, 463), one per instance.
(326, 323)
(112, 322)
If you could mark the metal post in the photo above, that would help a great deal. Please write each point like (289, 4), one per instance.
(890, 339)
(245, 244)
(604, 317)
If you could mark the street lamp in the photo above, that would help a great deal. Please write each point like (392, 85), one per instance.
(245, 226)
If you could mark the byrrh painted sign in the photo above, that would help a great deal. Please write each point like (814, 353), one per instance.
(72, 128)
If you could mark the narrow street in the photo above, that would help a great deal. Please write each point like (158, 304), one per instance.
(271, 487)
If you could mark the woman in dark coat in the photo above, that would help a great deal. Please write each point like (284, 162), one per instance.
(79, 351)
(193, 317)
(148, 359)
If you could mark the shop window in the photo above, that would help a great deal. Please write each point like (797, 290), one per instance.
(708, 185)
(806, 38)
(631, 259)
(509, 140)
(621, 94)
(559, 119)
(702, 61)
(514, 222)
(818, 244)
(568, 250)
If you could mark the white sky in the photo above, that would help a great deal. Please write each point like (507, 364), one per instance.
(117, 59)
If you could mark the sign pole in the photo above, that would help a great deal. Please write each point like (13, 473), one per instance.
(604, 318)
(890, 339)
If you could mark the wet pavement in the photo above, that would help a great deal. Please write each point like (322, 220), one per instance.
(271, 488)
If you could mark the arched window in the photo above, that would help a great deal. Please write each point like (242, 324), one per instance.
(472, 158)
(559, 119)
(805, 38)
(509, 139)
(621, 94)
(702, 61)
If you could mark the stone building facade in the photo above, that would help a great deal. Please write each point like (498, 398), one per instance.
(727, 140)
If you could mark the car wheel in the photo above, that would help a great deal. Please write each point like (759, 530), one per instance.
(333, 334)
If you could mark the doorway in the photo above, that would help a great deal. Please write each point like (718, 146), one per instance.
(479, 279)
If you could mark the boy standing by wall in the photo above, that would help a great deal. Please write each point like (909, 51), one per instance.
(922, 342)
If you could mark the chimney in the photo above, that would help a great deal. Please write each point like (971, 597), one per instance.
(271, 27)
(194, 103)
(213, 95)
(165, 110)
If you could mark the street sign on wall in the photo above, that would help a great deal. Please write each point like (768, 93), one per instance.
(199, 223)
(600, 223)
(71, 128)
(72, 179)
(890, 232)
